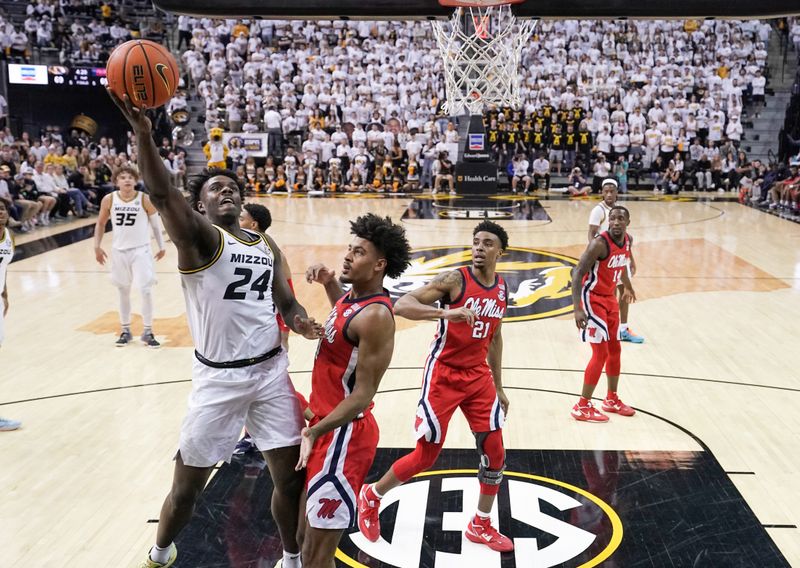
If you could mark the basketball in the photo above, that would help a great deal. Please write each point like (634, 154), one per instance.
(143, 70)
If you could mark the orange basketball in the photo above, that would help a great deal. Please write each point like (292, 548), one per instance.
(143, 70)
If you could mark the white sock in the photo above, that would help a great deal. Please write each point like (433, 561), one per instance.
(147, 308)
(291, 560)
(375, 491)
(160, 555)
(483, 515)
(124, 305)
(623, 327)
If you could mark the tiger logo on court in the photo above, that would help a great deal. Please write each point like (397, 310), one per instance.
(538, 281)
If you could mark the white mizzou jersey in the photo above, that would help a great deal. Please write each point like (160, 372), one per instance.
(229, 303)
(6, 254)
(129, 222)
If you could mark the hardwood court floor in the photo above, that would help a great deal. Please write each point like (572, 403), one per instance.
(719, 301)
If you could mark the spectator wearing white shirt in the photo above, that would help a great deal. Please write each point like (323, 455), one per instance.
(600, 172)
(273, 123)
(734, 131)
(520, 173)
(758, 84)
(541, 171)
(603, 141)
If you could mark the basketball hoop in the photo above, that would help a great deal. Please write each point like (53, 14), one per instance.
(481, 45)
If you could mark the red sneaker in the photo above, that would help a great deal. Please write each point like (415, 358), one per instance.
(481, 531)
(369, 522)
(616, 406)
(588, 413)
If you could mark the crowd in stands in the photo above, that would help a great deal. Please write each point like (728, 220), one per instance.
(47, 178)
(356, 106)
(779, 188)
(81, 32)
(644, 91)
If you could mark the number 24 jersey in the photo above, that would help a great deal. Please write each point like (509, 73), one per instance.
(229, 303)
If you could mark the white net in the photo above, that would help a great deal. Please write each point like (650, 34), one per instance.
(481, 48)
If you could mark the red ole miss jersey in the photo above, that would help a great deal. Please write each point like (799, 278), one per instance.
(456, 343)
(606, 274)
(334, 375)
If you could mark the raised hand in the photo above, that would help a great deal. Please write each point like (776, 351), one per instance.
(319, 273)
(135, 116)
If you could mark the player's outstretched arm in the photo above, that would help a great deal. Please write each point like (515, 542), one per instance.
(194, 236)
(372, 330)
(327, 277)
(285, 302)
(596, 250)
(417, 305)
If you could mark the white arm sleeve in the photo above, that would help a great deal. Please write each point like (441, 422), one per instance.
(155, 225)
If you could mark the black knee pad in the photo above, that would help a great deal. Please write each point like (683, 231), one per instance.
(494, 449)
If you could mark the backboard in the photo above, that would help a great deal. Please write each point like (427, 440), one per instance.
(432, 9)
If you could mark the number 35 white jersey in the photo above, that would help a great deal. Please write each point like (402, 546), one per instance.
(129, 222)
(229, 301)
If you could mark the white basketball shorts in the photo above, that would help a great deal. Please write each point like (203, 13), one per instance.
(133, 267)
(260, 397)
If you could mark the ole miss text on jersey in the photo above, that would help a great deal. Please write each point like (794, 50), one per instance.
(457, 344)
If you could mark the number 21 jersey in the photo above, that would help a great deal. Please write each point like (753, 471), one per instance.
(456, 343)
(229, 301)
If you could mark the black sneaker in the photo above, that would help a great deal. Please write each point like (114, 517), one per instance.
(124, 338)
(150, 340)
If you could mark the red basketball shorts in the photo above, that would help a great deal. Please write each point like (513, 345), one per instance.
(337, 467)
(446, 388)
(603, 314)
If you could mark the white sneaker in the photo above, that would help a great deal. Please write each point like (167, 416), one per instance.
(7, 425)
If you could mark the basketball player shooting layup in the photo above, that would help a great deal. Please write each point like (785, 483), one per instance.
(602, 267)
(131, 215)
(340, 442)
(232, 281)
(462, 371)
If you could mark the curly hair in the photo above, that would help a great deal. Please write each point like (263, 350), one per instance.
(195, 185)
(389, 238)
(495, 229)
(260, 215)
